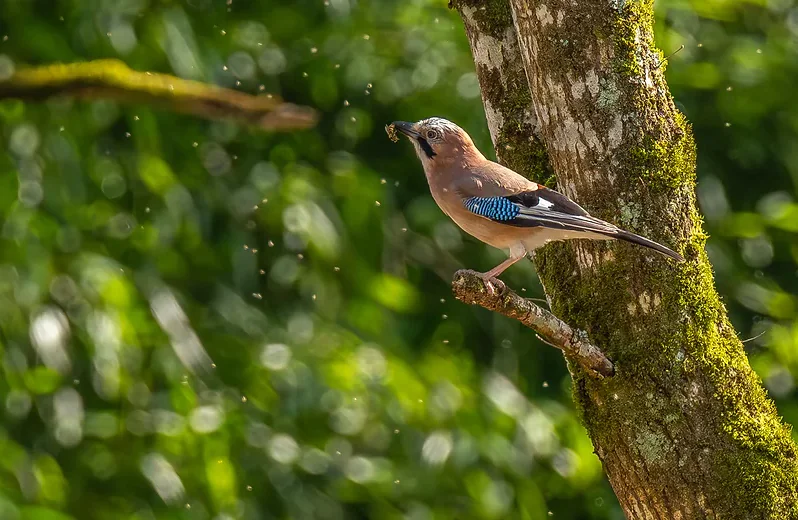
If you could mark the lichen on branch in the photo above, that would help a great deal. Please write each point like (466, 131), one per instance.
(469, 287)
(114, 80)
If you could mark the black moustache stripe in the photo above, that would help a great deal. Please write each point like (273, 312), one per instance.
(426, 147)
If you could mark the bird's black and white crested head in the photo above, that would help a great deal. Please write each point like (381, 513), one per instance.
(437, 140)
(437, 129)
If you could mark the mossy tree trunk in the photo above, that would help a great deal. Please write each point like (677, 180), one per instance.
(684, 429)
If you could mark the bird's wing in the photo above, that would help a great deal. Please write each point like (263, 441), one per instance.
(547, 208)
(541, 207)
(497, 193)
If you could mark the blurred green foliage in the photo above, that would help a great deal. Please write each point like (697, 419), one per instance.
(200, 320)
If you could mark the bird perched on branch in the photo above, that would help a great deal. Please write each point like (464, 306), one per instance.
(497, 205)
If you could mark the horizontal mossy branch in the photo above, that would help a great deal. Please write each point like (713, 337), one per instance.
(113, 79)
(469, 287)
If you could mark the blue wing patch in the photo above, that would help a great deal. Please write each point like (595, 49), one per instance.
(494, 208)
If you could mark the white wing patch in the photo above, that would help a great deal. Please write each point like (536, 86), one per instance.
(545, 204)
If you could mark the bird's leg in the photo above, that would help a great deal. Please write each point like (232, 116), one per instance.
(517, 252)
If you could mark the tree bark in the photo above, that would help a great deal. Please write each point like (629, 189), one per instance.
(684, 429)
(468, 286)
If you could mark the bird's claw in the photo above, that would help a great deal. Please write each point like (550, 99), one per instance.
(489, 286)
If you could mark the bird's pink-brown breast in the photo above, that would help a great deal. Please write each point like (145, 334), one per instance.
(450, 187)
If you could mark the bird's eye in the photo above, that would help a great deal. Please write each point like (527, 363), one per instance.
(431, 134)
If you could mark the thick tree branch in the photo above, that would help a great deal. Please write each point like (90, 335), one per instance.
(115, 80)
(468, 287)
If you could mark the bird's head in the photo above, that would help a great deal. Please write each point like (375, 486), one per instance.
(437, 141)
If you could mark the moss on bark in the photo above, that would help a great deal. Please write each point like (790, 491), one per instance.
(505, 90)
(685, 427)
(491, 18)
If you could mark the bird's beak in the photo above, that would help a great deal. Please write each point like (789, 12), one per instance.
(406, 128)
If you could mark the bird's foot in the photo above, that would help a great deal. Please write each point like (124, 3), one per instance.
(494, 286)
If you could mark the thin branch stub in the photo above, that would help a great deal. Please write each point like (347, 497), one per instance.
(469, 287)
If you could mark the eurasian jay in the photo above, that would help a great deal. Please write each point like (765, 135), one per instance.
(497, 205)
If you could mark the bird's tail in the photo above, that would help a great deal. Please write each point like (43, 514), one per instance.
(642, 241)
(585, 226)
